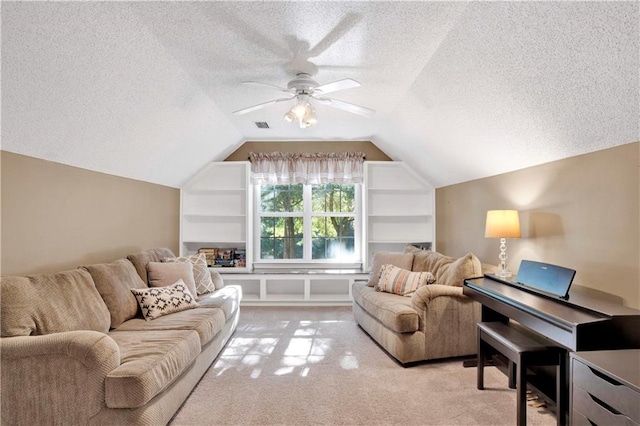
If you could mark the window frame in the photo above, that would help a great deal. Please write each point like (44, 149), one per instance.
(307, 214)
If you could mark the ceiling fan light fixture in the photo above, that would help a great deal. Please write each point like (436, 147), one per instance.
(300, 109)
(310, 119)
(290, 117)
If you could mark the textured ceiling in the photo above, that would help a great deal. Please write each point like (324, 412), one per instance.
(462, 90)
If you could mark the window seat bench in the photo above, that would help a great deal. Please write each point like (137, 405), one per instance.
(296, 286)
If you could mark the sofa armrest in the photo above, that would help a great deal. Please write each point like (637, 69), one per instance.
(448, 320)
(425, 294)
(56, 378)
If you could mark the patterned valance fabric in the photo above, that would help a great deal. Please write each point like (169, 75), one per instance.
(280, 168)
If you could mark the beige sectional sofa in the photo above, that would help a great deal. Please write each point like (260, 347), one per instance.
(75, 349)
(436, 321)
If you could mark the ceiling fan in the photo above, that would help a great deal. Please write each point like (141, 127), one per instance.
(303, 90)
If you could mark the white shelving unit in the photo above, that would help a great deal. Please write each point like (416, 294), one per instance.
(295, 289)
(399, 208)
(216, 210)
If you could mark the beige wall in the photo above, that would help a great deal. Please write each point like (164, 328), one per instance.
(56, 217)
(372, 152)
(582, 213)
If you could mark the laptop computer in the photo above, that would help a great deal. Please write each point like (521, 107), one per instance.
(543, 278)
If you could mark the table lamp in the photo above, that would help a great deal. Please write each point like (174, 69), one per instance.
(502, 224)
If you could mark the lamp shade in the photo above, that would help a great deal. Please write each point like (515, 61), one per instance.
(502, 224)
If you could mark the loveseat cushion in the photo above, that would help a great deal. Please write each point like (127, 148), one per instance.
(380, 258)
(114, 281)
(447, 270)
(395, 312)
(206, 322)
(227, 298)
(51, 303)
(149, 362)
(140, 260)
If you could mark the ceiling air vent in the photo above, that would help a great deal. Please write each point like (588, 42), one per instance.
(261, 124)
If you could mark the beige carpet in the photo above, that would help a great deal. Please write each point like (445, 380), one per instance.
(314, 365)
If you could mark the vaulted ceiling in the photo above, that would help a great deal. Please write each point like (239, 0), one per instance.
(462, 90)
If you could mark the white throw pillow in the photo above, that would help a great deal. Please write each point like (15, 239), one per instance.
(158, 301)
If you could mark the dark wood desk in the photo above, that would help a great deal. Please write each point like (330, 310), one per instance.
(605, 387)
(581, 323)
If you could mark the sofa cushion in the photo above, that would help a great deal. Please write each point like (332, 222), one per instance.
(401, 260)
(114, 281)
(51, 303)
(159, 301)
(165, 274)
(401, 281)
(454, 274)
(218, 282)
(203, 282)
(140, 260)
(395, 312)
(447, 270)
(149, 362)
(207, 322)
(227, 298)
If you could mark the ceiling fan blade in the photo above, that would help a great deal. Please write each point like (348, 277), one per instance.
(346, 106)
(344, 26)
(345, 83)
(323, 101)
(260, 106)
(271, 86)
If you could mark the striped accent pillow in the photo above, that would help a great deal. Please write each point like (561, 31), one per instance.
(401, 281)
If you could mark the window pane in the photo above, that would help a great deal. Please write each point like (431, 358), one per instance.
(281, 198)
(332, 238)
(281, 238)
(333, 198)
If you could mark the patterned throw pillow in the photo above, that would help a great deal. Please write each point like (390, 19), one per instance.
(401, 281)
(158, 301)
(204, 283)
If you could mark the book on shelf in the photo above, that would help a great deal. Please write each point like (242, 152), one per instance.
(240, 258)
(225, 257)
(210, 255)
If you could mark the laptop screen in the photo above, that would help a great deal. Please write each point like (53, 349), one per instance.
(551, 279)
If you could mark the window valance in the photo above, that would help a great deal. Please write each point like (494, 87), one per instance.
(281, 168)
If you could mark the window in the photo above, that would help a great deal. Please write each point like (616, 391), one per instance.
(308, 223)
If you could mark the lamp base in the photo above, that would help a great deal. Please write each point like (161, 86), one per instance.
(503, 272)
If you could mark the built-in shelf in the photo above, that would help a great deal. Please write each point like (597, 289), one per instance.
(422, 216)
(295, 288)
(215, 191)
(212, 216)
(216, 216)
(399, 208)
(392, 190)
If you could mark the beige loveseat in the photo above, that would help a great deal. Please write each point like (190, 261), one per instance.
(75, 349)
(436, 321)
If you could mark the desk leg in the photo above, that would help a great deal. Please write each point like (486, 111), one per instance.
(562, 390)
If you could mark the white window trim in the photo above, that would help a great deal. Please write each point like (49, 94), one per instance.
(307, 214)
